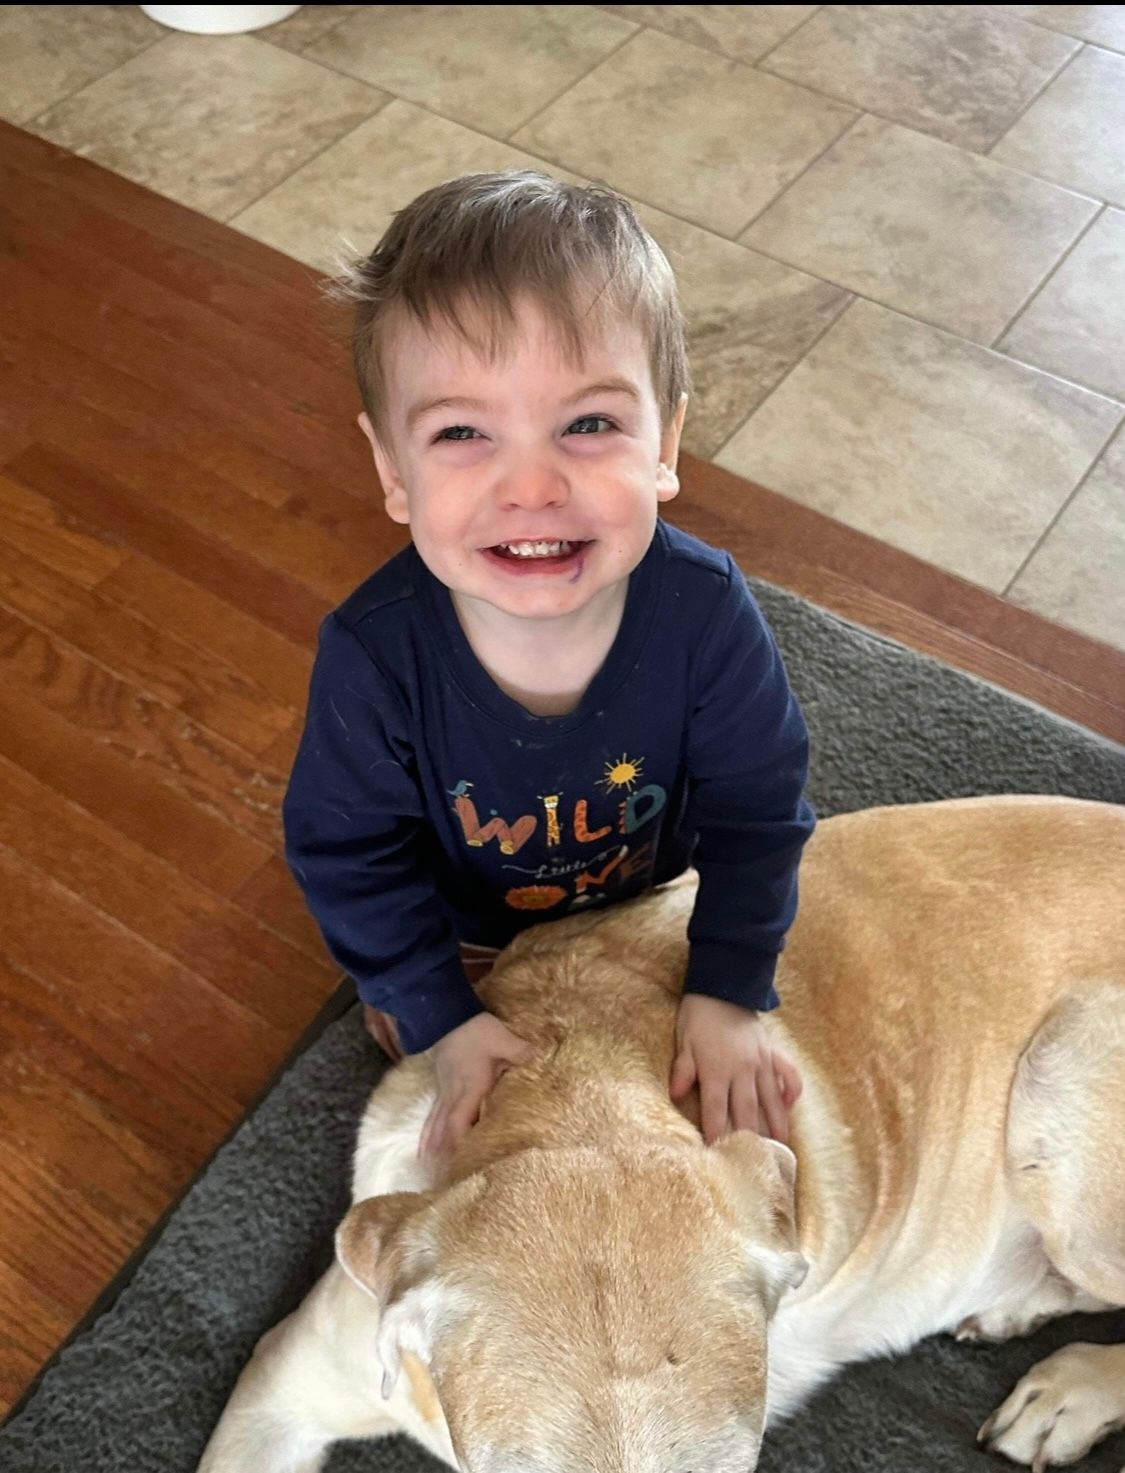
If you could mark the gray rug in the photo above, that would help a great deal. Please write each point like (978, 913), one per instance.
(139, 1390)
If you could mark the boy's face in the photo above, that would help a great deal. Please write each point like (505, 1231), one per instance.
(541, 494)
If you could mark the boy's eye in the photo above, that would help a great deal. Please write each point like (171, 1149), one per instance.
(456, 433)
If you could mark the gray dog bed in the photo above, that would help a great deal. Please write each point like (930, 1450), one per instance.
(139, 1389)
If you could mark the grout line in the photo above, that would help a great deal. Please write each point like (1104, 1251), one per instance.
(1049, 528)
(839, 317)
(1036, 290)
(1067, 35)
(709, 46)
(861, 296)
(1031, 101)
(30, 122)
(792, 31)
(828, 147)
(228, 219)
(315, 41)
(574, 82)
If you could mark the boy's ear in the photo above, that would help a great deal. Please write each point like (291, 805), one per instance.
(667, 481)
(394, 492)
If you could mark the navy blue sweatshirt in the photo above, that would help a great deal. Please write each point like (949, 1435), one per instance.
(427, 807)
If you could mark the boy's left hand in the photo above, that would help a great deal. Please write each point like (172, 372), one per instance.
(744, 1082)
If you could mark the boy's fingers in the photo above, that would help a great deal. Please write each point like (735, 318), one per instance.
(792, 1084)
(683, 1075)
(745, 1112)
(714, 1114)
(461, 1117)
(774, 1115)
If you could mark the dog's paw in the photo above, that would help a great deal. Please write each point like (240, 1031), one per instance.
(996, 1326)
(1061, 1408)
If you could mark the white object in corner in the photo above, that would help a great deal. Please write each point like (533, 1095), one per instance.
(218, 20)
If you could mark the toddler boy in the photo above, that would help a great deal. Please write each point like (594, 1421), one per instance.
(552, 700)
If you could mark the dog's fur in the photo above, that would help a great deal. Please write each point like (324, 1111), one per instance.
(584, 1285)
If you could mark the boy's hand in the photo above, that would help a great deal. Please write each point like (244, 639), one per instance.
(384, 1030)
(744, 1082)
(468, 1061)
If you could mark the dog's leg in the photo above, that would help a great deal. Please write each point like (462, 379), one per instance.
(1066, 1171)
(1065, 1167)
(1061, 1408)
(312, 1380)
(1022, 1313)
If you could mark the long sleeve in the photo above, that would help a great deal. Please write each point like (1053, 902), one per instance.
(356, 842)
(748, 762)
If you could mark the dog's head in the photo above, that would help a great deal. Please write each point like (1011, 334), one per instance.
(581, 1310)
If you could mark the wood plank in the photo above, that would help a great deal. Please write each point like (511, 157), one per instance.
(143, 653)
(67, 1030)
(168, 1008)
(233, 950)
(37, 528)
(206, 381)
(87, 1245)
(232, 272)
(48, 384)
(96, 777)
(71, 1138)
(215, 627)
(138, 470)
(274, 599)
(186, 757)
(39, 224)
(32, 1323)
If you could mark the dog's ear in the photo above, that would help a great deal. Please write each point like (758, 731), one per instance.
(758, 1177)
(390, 1247)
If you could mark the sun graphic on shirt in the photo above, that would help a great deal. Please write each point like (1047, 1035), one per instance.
(622, 774)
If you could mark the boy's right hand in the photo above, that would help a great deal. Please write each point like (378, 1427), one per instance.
(468, 1061)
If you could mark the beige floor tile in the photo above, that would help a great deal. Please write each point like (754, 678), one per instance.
(310, 24)
(1077, 575)
(47, 51)
(749, 320)
(211, 121)
(742, 32)
(1075, 327)
(923, 227)
(490, 67)
(352, 189)
(1102, 24)
(961, 72)
(1074, 133)
(705, 139)
(939, 447)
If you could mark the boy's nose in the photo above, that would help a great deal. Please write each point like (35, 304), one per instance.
(534, 486)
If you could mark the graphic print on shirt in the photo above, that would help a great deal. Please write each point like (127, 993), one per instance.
(572, 878)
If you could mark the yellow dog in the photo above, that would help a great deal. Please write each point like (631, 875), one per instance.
(585, 1287)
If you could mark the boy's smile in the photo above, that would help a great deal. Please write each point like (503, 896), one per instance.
(530, 483)
(542, 556)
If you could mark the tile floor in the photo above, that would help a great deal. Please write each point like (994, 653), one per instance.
(899, 230)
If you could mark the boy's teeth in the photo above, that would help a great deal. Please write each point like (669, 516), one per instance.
(537, 549)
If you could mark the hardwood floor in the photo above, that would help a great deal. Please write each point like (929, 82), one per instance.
(183, 495)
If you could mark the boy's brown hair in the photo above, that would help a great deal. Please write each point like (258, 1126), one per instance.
(483, 240)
